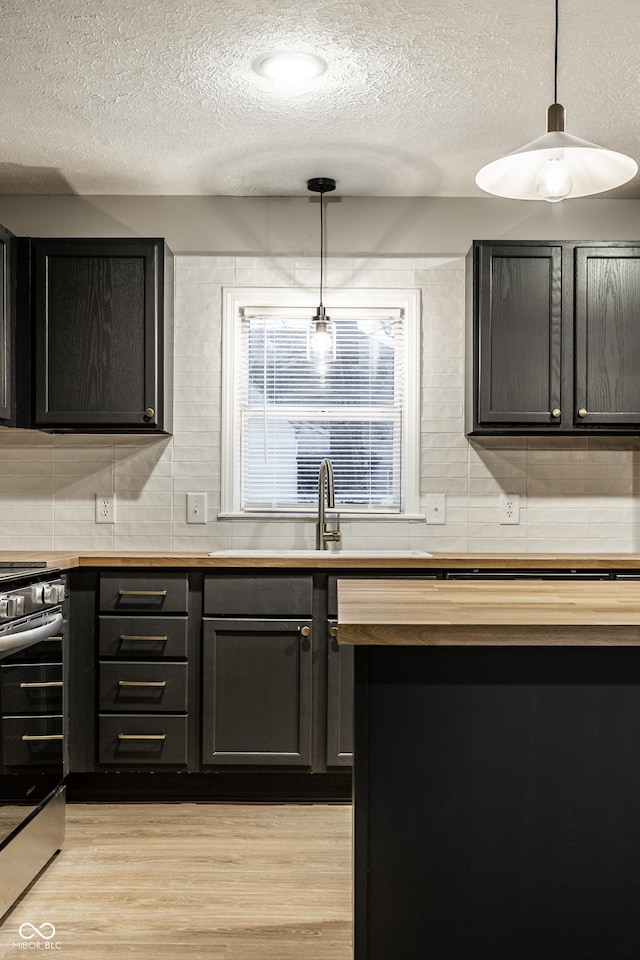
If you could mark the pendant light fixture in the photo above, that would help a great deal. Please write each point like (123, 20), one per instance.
(556, 165)
(321, 340)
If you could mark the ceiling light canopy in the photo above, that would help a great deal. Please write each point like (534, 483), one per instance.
(556, 165)
(290, 66)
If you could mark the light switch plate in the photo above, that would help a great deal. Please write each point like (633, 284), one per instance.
(196, 508)
(436, 508)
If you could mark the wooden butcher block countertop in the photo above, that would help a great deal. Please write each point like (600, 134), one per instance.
(66, 559)
(489, 612)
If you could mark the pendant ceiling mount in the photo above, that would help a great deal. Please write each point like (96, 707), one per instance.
(556, 165)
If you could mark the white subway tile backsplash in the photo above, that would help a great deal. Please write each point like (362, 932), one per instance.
(578, 494)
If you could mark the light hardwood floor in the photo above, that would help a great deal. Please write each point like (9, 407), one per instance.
(195, 881)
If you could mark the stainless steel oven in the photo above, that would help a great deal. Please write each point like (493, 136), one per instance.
(32, 724)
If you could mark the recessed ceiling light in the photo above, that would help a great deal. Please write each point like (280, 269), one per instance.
(289, 66)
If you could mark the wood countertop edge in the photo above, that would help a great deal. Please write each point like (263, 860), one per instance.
(532, 612)
(426, 635)
(65, 560)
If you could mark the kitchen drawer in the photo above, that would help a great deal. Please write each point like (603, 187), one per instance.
(258, 596)
(32, 688)
(143, 637)
(32, 740)
(135, 739)
(132, 685)
(149, 593)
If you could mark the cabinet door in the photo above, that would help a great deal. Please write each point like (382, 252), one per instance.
(517, 335)
(257, 692)
(7, 271)
(339, 701)
(98, 333)
(607, 336)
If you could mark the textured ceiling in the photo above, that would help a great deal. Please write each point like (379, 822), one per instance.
(158, 96)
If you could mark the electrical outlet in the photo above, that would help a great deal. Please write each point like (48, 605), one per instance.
(196, 508)
(435, 504)
(509, 508)
(105, 508)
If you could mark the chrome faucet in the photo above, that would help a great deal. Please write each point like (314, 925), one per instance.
(323, 534)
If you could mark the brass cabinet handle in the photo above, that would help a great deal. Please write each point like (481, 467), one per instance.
(49, 736)
(333, 632)
(49, 639)
(305, 631)
(582, 412)
(142, 736)
(43, 683)
(149, 413)
(133, 636)
(556, 412)
(142, 683)
(142, 593)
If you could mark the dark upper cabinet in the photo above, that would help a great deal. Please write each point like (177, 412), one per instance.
(7, 326)
(98, 329)
(553, 342)
(607, 336)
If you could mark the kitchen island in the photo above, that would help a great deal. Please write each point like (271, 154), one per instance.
(496, 768)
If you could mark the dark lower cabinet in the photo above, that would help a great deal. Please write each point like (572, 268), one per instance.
(143, 669)
(339, 700)
(496, 810)
(553, 342)
(98, 308)
(256, 682)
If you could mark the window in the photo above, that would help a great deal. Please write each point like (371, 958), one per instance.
(285, 409)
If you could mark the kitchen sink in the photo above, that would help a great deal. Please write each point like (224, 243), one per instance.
(261, 552)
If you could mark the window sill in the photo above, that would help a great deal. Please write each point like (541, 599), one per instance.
(330, 515)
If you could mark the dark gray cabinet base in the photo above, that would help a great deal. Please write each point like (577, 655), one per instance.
(496, 803)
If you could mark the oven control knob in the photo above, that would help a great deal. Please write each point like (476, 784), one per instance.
(11, 606)
(52, 593)
(37, 593)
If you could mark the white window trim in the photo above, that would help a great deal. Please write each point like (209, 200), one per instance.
(237, 299)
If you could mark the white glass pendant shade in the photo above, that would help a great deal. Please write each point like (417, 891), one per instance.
(591, 169)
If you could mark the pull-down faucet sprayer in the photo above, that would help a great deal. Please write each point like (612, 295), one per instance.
(323, 534)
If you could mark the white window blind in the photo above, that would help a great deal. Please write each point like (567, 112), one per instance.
(294, 409)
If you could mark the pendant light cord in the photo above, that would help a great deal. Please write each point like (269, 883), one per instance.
(321, 243)
(555, 62)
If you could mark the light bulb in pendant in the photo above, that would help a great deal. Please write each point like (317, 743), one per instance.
(321, 344)
(321, 341)
(554, 181)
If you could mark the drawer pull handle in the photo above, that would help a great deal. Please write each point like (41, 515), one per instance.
(142, 683)
(49, 639)
(142, 736)
(133, 636)
(47, 736)
(142, 593)
(41, 684)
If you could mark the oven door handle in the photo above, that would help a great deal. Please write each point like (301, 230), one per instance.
(26, 638)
